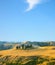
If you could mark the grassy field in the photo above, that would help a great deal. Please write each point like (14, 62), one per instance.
(42, 56)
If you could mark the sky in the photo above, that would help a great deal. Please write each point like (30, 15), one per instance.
(27, 20)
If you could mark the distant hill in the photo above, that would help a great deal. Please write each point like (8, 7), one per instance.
(6, 45)
(9, 45)
(52, 43)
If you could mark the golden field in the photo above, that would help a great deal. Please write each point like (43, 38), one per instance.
(44, 54)
(45, 51)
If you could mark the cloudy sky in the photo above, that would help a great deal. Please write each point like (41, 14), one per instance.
(33, 3)
(27, 20)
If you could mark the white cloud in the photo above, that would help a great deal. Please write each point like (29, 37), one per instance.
(32, 3)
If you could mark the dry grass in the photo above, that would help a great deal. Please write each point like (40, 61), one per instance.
(44, 51)
(42, 56)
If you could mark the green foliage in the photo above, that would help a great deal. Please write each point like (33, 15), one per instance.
(13, 64)
(51, 63)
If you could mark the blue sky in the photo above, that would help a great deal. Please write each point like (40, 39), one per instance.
(17, 23)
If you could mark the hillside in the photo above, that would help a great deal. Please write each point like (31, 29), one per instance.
(42, 56)
(9, 45)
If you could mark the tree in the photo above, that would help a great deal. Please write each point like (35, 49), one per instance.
(17, 47)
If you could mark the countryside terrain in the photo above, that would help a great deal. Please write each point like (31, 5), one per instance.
(27, 53)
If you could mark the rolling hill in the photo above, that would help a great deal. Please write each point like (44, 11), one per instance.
(9, 45)
(27, 53)
(42, 56)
